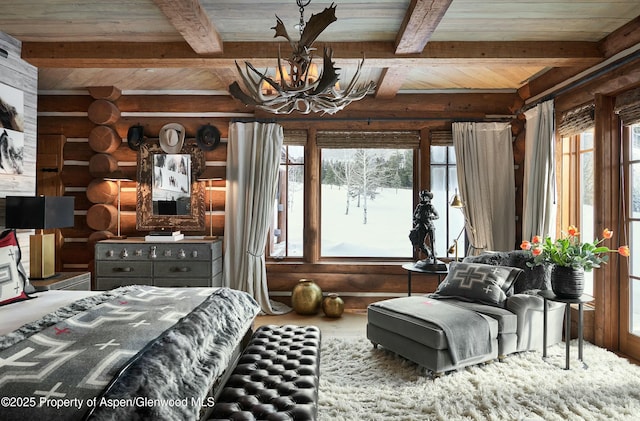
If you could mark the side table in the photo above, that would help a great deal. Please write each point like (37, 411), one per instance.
(411, 267)
(77, 281)
(548, 295)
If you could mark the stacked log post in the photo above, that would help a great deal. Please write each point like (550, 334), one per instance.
(104, 140)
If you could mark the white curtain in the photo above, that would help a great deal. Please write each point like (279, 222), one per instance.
(484, 162)
(539, 187)
(253, 158)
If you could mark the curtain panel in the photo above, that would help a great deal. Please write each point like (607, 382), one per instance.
(539, 186)
(484, 162)
(253, 159)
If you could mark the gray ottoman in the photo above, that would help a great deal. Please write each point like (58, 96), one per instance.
(407, 326)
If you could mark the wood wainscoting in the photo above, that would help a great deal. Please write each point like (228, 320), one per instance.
(358, 284)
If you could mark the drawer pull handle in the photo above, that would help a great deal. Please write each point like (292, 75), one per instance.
(180, 269)
(125, 269)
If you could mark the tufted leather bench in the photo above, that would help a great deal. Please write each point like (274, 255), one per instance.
(276, 377)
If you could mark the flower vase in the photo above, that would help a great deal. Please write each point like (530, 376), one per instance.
(333, 305)
(567, 282)
(306, 297)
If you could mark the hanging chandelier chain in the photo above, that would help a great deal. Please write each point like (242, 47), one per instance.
(301, 5)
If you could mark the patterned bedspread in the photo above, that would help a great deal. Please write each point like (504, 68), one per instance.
(150, 353)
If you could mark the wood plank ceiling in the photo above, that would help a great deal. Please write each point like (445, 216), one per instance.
(409, 45)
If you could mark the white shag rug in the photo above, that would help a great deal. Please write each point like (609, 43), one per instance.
(358, 382)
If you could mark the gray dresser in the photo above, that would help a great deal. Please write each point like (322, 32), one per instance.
(134, 261)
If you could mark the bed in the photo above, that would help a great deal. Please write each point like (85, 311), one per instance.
(136, 352)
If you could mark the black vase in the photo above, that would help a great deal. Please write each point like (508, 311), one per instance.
(567, 282)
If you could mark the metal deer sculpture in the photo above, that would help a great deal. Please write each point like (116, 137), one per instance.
(301, 92)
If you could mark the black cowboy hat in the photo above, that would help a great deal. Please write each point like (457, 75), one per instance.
(208, 137)
(135, 137)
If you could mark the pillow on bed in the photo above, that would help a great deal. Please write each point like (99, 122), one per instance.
(487, 284)
(14, 284)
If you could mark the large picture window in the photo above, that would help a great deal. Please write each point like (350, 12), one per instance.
(366, 198)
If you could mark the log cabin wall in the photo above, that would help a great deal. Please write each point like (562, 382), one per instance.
(23, 77)
(67, 114)
(89, 121)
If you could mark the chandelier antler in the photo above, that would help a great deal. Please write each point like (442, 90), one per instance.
(299, 88)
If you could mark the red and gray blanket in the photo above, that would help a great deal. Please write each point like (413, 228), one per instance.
(149, 353)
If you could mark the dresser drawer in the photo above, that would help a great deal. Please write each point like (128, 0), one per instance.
(183, 263)
(182, 282)
(171, 251)
(182, 269)
(132, 269)
(103, 284)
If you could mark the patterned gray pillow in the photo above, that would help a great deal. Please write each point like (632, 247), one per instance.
(478, 282)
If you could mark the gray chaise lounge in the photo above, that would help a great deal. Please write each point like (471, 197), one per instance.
(514, 324)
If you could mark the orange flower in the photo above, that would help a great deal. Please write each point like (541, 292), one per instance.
(536, 239)
(536, 251)
(624, 251)
(607, 233)
(525, 245)
(572, 230)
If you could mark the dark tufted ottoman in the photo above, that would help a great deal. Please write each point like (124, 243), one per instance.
(276, 377)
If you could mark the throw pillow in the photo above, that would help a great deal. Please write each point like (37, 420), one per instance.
(11, 284)
(12, 254)
(487, 284)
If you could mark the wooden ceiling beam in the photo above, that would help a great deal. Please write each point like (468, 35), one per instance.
(193, 23)
(616, 42)
(378, 54)
(624, 37)
(420, 21)
(390, 82)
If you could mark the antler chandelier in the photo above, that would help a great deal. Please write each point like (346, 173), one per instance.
(299, 88)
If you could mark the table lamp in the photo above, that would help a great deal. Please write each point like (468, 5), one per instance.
(118, 177)
(209, 176)
(40, 213)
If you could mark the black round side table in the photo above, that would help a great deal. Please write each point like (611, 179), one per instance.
(411, 267)
(548, 295)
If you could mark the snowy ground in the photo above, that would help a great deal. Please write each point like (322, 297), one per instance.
(386, 233)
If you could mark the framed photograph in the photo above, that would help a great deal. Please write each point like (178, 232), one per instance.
(11, 130)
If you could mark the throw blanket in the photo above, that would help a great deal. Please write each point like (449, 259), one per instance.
(159, 343)
(467, 332)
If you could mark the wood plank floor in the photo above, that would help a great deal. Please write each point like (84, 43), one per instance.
(352, 323)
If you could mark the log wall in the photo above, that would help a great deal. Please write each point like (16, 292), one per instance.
(68, 114)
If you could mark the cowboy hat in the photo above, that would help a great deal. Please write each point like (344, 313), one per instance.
(135, 137)
(208, 137)
(172, 137)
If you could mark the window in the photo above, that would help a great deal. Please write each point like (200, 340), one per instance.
(286, 237)
(366, 198)
(577, 173)
(633, 225)
(444, 184)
